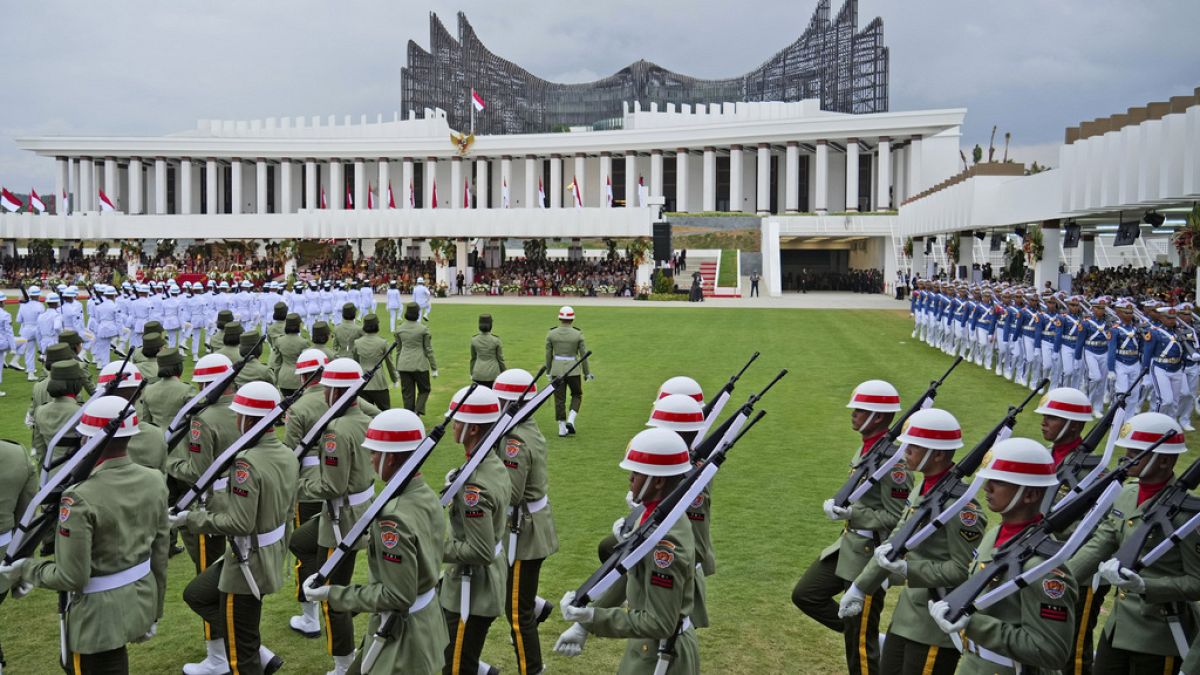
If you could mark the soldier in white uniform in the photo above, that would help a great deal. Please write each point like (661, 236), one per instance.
(423, 298)
(139, 314)
(106, 327)
(27, 316)
(368, 299)
(169, 317)
(393, 302)
(49, 324)
(7, 340)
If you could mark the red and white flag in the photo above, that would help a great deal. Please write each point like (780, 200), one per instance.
(370, 198)
(608, 192)
(477, 101)
(433, 202)
(504, 194)
(324, 204)
(106, 203)
(576, 192)
(466, 194)
(64, 206)
(35, 202)
(349, 198)
(412, 195)
(391, 197)
(541, 195)
(9, 201)
(643, 193)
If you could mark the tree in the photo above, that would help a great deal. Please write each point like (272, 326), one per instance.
(976, 154)
(992, 145)
(1007, 138)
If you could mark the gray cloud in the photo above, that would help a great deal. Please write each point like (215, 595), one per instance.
(152, 67)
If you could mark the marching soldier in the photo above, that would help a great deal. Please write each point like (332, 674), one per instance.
(104, 315)
(414, 359)
(404, 552)
(224, 317)
(1031, 629)
(75, 342)
(1152, 612)
(147, 361)
(66, 381)
(148, 447)
(320, 339)
(346, 332)
(27, 317)
(487, 353)
(532, 537)
(564, 346)
(278, 319)
(49, 323)
(1165, 354)
(474, 582)
(659, 590)
(254, 370)
(111, 544)
(874, 403)
(369, 350)
(1125, 356)
(18, 484)
(284, 354)
(393, 303)
(39, 396)
(231, 340)
(914, 645)
(1070, 341)
(166, 397)
(343, 480)
(1096, 337)
(251, 512)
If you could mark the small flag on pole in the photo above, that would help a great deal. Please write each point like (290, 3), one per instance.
(541, 195)
(433, 202)
(370, 198)
(504, 195)
(412, 195)
(35, 202)
(9, 201)
(105, 203)
(477, 101)
(576, 192)
(324, 204)
(466, 194)
(609, 193)
(391, 197)
(349, 198)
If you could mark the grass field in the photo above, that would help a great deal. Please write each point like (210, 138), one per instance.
(729, 269)
(768, 524)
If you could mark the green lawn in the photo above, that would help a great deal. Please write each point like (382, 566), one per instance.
(727, 273)
(768, 524)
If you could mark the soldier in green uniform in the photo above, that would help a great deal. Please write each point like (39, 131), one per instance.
(531, 536)
(320, 339)
(914, 644)
(254, 370)
(414, 359)
(66, 381)
(404, 549)
(658, 592)
(1138, 636)
(368, 350)
(472, 593)
(346, 332)
(1030, 630)
(231, 340)
(251, 511)
(166, 397)
(75, 342)
(216, 339)
(283, 356)
(152, 344)
(275, 328)
(39, 396)
(151, 326)
(149, 446)
(487, 353)
(111, 552)
(564, 345)
(18, 483)
(873, 405)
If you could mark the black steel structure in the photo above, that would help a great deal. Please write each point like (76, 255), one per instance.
(846, 68)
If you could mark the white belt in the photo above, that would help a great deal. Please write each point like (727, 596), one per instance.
(989, 655)
(866, 534)
(423, 600)
(265, 539)
(683, 627)
(6, 538)
(109, 582)
(537, 504)
(499, 549)
(354, 499)
(563, 358)
(310, 460)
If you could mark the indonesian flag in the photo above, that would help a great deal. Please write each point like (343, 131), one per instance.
(433, 202)
(35, 202)
(9, 201)
(466, 194)
(324, 204)
(477, 101)
(608, 192)
(349, 198)
(643, 193)
(412, 195)
(105, 203)
(541, 195)
(370, 197)
(578, 194)
(504, 194)
(65, 203)
(391, 197)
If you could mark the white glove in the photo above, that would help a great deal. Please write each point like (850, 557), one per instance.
(897, 567)
(630, 502)
(835, 512)
(1112, 377)
(1122, 577)
(589, 376)
(450, 476)
(149, 634)
(396, 384)
(15, 567)
(434, 373)
(618, 525)
(315, 594)
(570, 643)
(851, 603)
(571, 612)
(938, 610)
(29, 420)
(178, 520)
(21, 590)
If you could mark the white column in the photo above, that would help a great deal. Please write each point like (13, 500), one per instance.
(360, 185)
(605, 178)
(914, 167)
(62, 178)
(764, 178)
(135, 186)
(481, 183)
(87, 186)
(735, 178)
(76, 203)
(236, 168)
(428, 180)
(681, 180)
(337, 185)
(287, 178)
(112, 184)
(385, 180)
(456, 183)
(1088, 245)
(710, 179)
(406, 177)
(460, 254)
(852, 174)
(556, 186)
(160, 185)
(579, 174)
(531, 194)
(656, 173)
(821, 201)
(260, 186)
(210, 185)
(312, 197)
(791, 201)
(184, 196)
(884, 200)
(631, 180)
(1047, 268)
(900, 179)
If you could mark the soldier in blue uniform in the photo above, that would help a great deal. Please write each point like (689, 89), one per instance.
(1069, 344)
(1125, 356)
(1164, 352)
(1031, 328)
(1097, 335)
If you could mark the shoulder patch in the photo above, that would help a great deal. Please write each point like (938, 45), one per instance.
(195, 432)
(664, 554)
(512, 447)
(330, 443)
(698, 502)
(471, 495)
(899, 476)
(241, 471)
(1054, 588)
(64, 508)
(968, 518)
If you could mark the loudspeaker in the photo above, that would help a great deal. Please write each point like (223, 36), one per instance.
(1071, 236)
(1127, 233)
(662, 242)
(996, 242)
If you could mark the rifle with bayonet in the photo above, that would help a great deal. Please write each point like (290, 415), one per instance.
(715, 404)
(24, 293)
(876, 462)
(209, 395)
(950, 494)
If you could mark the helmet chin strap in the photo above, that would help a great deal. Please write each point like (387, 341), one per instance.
(866, 423)
(1016, 499)
(461, 434)
(1146, 469)
(921, 466)
(1062, 431)
(641, 495)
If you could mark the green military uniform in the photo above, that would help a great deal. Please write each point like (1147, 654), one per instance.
(216, 338)
(872, 519)
(254, 370)
(1032, 627)
(414, 360)
(18, 483)
(320, 339)
(658, 594)
(914, 642)
(523, 452)
(478, 526)
(113, 522)
(300, 417)
(404, 564)
(65, 379)
(146, 357)
(149, 447)
(275, 328)
(231, 339)
(487, 354)
(55, 353)
(565, 345)
(344, 335)
(1137, 636)
(368, 350)
(74, 343)
(165, 398)
(252, 511)
(283, 357)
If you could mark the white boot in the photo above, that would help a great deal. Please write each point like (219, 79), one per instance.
(214, 664)
(308, 623)
(562, 428)
(269, 661)
(341, 664)
(571, 422)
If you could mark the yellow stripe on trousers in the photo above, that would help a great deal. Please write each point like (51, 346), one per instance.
(930, 660)
(863, 665)
(1169, 665)
(202, 539)
(456, 669)
(1083, 629)
(518, 638)
(325, 611)
(230, 639)
(76, 664)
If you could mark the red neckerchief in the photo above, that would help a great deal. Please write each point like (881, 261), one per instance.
(1061, 450)
(869, 441)
(650, 506)
(1010, 530)
(931, 479)
(1149, 490)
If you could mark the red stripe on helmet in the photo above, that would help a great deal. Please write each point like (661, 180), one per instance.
(1023, 467)
(340, 375)
(666, 416)
(871, 398)
(259, 403)
(394, 436)
(93, 421)
(658, 460)
(1069, 407)
(1149, 437)
(477, 409)
(307, 364)
(513, 388)
(935, 434)
(698, 397)
(211, 370)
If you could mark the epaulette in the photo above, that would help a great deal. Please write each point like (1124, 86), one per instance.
(576, 328)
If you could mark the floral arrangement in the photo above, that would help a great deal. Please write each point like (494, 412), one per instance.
(1187, 239)
(1033, 246)
(952, 249)
(908, 247)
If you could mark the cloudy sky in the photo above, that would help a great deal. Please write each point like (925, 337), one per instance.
(1033, 67)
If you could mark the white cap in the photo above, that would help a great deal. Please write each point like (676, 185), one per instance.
(52, 297)
(211, 367)
(98, 412)
(255, 399)
(341, 373)
(1066, 402)
(1146, 429)
(657, 452)
(129, 374)
(34, 290)
(1020, 461)
(482, 407)
(309, 360)
(876, 396)
(510, 384)
(395, 430)
(566, 313)
(932, 428)
(682, 384)
(677, 413)
(420, 280)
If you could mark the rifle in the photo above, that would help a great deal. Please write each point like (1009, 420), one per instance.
(209, 395)
(733, 425)
(712, 409)
(1170, 503)
(1041, 540)
(875, 463)
(950, 495)
(24, 293)
(339, 406)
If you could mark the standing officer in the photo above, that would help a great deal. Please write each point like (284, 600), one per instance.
(346, 332)
(111, 551)
(414, 359)
(343, 480)
(564, 346)
(284, 354)
(474, 582)
(873, 403)
(914, 644)
(251, 512)
(423, 298)
(531, 536)
(487, 353)
(393, 303)
(369, 350)
(659, 590)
